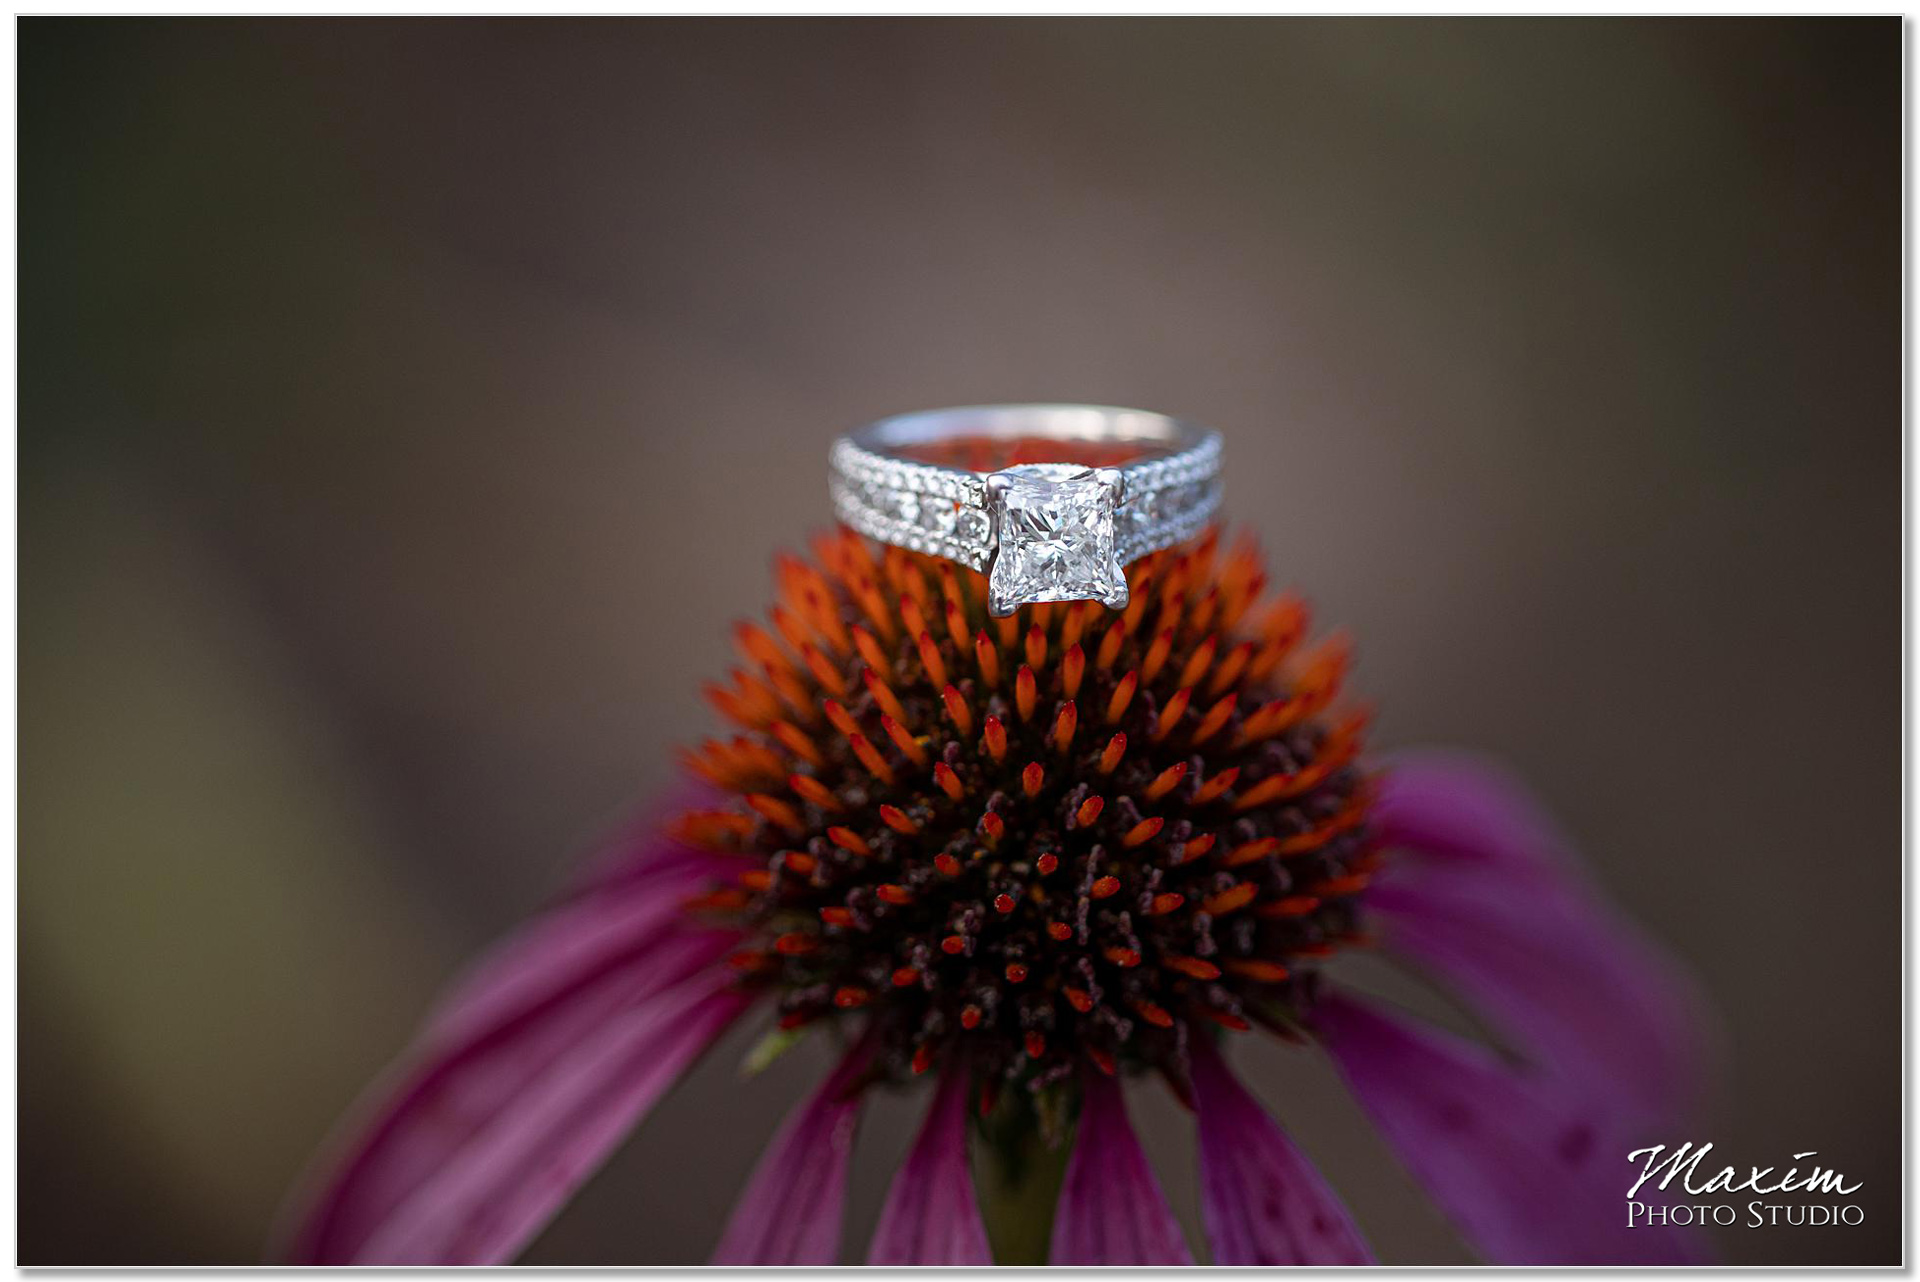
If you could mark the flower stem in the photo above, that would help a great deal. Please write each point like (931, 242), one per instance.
(1017, 1175)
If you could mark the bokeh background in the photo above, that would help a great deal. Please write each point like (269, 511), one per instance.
(408, 407)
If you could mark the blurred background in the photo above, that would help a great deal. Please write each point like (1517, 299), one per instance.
(407, 408)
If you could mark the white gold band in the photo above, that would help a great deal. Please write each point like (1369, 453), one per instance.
(1060, 513)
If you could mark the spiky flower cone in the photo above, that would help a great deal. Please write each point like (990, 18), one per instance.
(1053, 839)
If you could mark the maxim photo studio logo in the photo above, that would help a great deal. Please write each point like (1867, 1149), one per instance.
(1677, 1175)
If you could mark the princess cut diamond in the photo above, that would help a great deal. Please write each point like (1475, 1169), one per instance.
(1056, 539)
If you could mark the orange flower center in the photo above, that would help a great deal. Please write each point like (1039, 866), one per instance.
(1058, 835)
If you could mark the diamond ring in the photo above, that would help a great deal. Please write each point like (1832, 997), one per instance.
(1086, 489)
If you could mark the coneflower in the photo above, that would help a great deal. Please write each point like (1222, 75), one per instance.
(1031, 859)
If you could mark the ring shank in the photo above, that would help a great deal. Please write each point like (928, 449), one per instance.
(1095, 423)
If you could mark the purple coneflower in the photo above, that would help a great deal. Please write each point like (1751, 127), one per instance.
(1035, 861)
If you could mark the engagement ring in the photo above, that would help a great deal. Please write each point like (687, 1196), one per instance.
(1049, 501)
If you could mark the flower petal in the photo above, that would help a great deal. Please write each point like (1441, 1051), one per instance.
(1484, 893)
(595, 929)
(1526, 1168)
(931, 1216)
(791, 1208)
(1111, 1208)
(436, 1166)
(646, 847)
(1263, 1202)
(1468, 807)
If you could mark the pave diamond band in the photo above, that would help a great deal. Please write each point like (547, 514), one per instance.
(1056, 531)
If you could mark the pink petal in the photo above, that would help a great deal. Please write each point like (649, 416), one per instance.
(1468, 807)
(595, 929)
(791, 1209)
(1529, 1172)
(644, 847)
(1111, 1208)
(465, 1152)
(1484, 893)
(931, 1216)
(1263, 1202)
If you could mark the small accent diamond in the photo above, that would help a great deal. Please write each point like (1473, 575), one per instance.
(937, 515)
